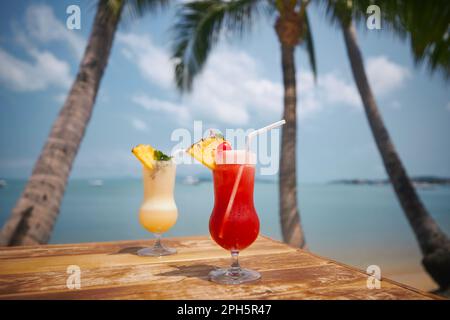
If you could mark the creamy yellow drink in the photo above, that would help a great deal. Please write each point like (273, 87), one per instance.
(158, 212)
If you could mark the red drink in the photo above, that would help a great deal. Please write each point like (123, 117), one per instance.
(240, 227)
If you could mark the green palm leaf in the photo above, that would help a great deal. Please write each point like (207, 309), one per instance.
(198, 28)
(309, 44)
(137, 8)
(425, 24)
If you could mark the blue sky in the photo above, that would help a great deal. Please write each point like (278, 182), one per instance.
(240, 87)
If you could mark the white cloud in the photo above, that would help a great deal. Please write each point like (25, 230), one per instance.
(226, 91)
(329, 91)
(384, 75)
(448, 106)
(153, 62)
(231, 89)
(176, 111)
(139, 125)
(43, 26)
(43, 71)
(338, 91)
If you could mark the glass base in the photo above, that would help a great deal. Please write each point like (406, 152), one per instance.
(156, 251)
(229, 276)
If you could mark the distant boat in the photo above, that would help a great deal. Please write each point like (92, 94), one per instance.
(191, 180)
(96, 183)
(3, 183)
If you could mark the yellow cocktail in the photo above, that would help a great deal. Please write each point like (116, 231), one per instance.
(158, 212)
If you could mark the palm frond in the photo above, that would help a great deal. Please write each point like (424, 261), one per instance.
(198, 27)
(337, 11)
(137, 8)
(309, 44)
(425, 24)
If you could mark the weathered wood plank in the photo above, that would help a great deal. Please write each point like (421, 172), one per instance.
(193, 244)
(277, 284)
(126, 256)
(113, 271)
(150, 273)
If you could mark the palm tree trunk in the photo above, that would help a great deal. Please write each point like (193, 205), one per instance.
(289, 214)
(434, 244)
(33, 217)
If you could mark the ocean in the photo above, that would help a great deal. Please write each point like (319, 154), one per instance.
(359, 225)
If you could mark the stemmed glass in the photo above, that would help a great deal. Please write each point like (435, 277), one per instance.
(234, 223)
(158, 212)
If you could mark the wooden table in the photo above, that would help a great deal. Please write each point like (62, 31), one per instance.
(112, 270)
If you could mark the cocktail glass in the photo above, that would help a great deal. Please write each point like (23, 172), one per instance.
(234, 225)
(158, 212)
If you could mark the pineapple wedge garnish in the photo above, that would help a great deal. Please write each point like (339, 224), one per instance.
(146, 154)
(205, 150)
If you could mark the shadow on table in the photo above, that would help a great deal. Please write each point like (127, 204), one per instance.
(129, 250)
(199, 271)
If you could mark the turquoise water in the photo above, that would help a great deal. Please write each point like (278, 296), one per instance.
(358, 225)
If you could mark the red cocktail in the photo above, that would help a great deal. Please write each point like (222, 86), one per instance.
(234, 224)
(241, 227)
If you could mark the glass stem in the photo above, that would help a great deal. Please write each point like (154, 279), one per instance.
(235, 269)
(158, 244)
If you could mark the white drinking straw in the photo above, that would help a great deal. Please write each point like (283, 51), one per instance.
(248, 142)
(254, 133)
